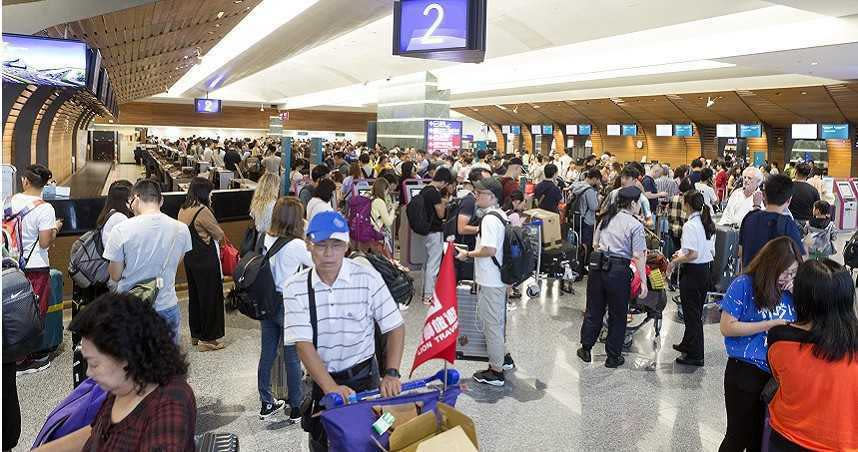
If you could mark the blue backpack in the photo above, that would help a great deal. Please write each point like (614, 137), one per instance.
(74, 413)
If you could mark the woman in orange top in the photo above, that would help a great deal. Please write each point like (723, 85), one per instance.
(815, 362)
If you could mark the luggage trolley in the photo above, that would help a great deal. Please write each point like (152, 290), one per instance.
(533, 233)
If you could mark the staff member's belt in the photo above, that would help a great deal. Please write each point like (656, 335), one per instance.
(600, 261)
(358, 369)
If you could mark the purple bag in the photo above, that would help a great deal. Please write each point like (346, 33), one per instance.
(74, 413)
(349, 427)
(360, 220)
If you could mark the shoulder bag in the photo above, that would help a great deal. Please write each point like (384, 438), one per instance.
(147, 290)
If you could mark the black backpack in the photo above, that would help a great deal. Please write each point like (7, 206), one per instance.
(451, 224)
(86, 264)
(850, 252)
(398, 281)
(519, 252)
(22, 321)
(418, 220)
(573, 207)
(255, 294)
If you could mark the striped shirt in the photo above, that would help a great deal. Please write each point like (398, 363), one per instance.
(347, 313)
(667, 185)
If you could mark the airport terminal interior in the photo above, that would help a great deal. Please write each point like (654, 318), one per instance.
(581, 225)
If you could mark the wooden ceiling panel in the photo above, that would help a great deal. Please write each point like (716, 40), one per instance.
(524, 113)
(149, 47)
(811, 104)
(768, 111)
(601, 111)
(846, 98)
(653, 109)
(562, 113)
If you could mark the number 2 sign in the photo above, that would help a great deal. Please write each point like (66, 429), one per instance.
(440, 29)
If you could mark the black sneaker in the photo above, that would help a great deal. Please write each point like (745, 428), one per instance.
(514, 294)
(508, 363)
(584, 354)
(489, 377)
(270, 409)
(31, 366)
(614, 362)
(294, 413)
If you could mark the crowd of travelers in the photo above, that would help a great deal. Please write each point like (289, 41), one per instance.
(788, 318)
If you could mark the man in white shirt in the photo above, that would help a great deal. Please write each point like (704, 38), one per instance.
(563, 163)
(149, 245)
(331, 313)
(741, 202)
(491, 293)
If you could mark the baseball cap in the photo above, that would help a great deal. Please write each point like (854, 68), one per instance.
(491, 184)
(515, 161)
(328, 225)
(633, 193)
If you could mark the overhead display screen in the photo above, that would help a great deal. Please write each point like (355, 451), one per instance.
(207, 105)
(548, 129)
(614, 130)
(94, 70)
(630, 130)
(725, 130)
(663, 130)
(505, 130)
(683, 130)
(536, 129)
(750, 130)
(834, 131)
(515, 129)
(440, 29)
(44, 61)
(443, 136)
(804, 131)
(571, 129)
(585, 129)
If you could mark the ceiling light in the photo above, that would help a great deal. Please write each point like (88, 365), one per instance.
(217, 25)
(211, 32)
(237, 1)
(261, 107)
(219, 14)
(804, 92)
(814, 63)
(536, 106)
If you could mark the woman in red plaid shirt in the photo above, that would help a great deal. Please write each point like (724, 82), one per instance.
(131, 354)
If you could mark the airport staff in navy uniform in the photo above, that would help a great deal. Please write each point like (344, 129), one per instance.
(618, 238)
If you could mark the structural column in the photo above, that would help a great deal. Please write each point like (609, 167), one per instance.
(404, 104)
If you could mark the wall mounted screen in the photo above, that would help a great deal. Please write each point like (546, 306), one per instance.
(443, 136)
(683, 130)
(725, 130)
(834, 131)
(571, 129)
(536, 129)
(663, 130)
(515, 129)
(44, 61)
(630, 130)
(585, 129)
(804, 132)
(614, 130)
(548, 129)
(505, 130)
(207, 105)
(750, 130)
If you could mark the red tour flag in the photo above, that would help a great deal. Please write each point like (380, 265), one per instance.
(441, 329)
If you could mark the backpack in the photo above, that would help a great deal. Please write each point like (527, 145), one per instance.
(418, 220)
(360, 220)
(519, 253)
(574, 207)
(13, 238)
(255, 294)
(451, 224)
(75, 412)
(22, 319)
(86, 264)
(398, 281)
(850, 252)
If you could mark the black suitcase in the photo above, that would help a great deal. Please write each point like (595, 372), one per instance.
(218, 442)
(471, 345)
(725, 266)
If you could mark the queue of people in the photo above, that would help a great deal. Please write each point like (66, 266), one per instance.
(307, 234)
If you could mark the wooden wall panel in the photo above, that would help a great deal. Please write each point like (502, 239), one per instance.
(839, 157)
(164, 114)
(500, 137)
(527, 139)
(621, 147)
(559, 139)
(758, 145)
(60, 142)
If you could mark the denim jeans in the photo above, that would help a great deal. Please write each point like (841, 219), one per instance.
(272, 338)
(173, 317)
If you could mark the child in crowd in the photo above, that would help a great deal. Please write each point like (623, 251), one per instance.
(821, 232)
(516, 218)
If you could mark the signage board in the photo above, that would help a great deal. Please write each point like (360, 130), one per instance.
(443, 135)
(505, 130)
(515, 129)
(750, 130)
(614, 130)
(804, 132)
(207, 105)
(834, 131)
(453, 30)
(571, 129)
(663, 130)
(548, 129)
(585, 129)
(725, 130)
(536, 129)
(683, 130)
(630, 130)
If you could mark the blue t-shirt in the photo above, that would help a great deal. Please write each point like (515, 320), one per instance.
(739, 303)
(759, 227)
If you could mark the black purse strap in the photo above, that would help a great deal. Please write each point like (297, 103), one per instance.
(311, 296)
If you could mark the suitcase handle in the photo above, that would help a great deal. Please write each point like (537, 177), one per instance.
(334, 399)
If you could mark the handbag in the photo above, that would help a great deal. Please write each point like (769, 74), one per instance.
(147, 289)
(248, 243)
(228, 257)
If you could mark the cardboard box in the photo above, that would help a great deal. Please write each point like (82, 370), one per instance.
(455, 432)
(551, 235)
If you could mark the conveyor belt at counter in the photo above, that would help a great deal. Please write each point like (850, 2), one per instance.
(88, 182)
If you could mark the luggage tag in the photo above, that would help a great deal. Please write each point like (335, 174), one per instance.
(159, 282)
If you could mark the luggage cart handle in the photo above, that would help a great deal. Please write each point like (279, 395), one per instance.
(334, 399)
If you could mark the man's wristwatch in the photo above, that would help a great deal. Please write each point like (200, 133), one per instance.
(392, 373)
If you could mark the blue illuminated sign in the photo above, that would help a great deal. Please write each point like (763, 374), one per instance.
(750, 131)
(683, 130)
(548, 129)
(585, 129)
(433, 25)
(207, 105)
(630, 130)
(834, 131)
(516, 129)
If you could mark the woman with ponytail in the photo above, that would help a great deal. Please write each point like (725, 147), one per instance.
(696, 255)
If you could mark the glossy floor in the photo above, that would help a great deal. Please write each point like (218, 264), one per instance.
(552, 402)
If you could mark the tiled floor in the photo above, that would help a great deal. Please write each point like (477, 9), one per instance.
(551, 402)
(127, 171)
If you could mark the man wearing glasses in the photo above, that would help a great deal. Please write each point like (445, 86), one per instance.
(331, 313)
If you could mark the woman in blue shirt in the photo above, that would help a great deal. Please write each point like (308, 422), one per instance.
(756, 301)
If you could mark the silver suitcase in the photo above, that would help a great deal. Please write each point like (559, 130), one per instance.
(471, 345)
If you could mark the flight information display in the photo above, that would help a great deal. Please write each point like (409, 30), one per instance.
(207, 105)
(630, 130)
(834, 131)
(443, 135)
(683, 130)
(750, 130)
(585, 129)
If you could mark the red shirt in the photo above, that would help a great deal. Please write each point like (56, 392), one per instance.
(164, 421)
(816, 404)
